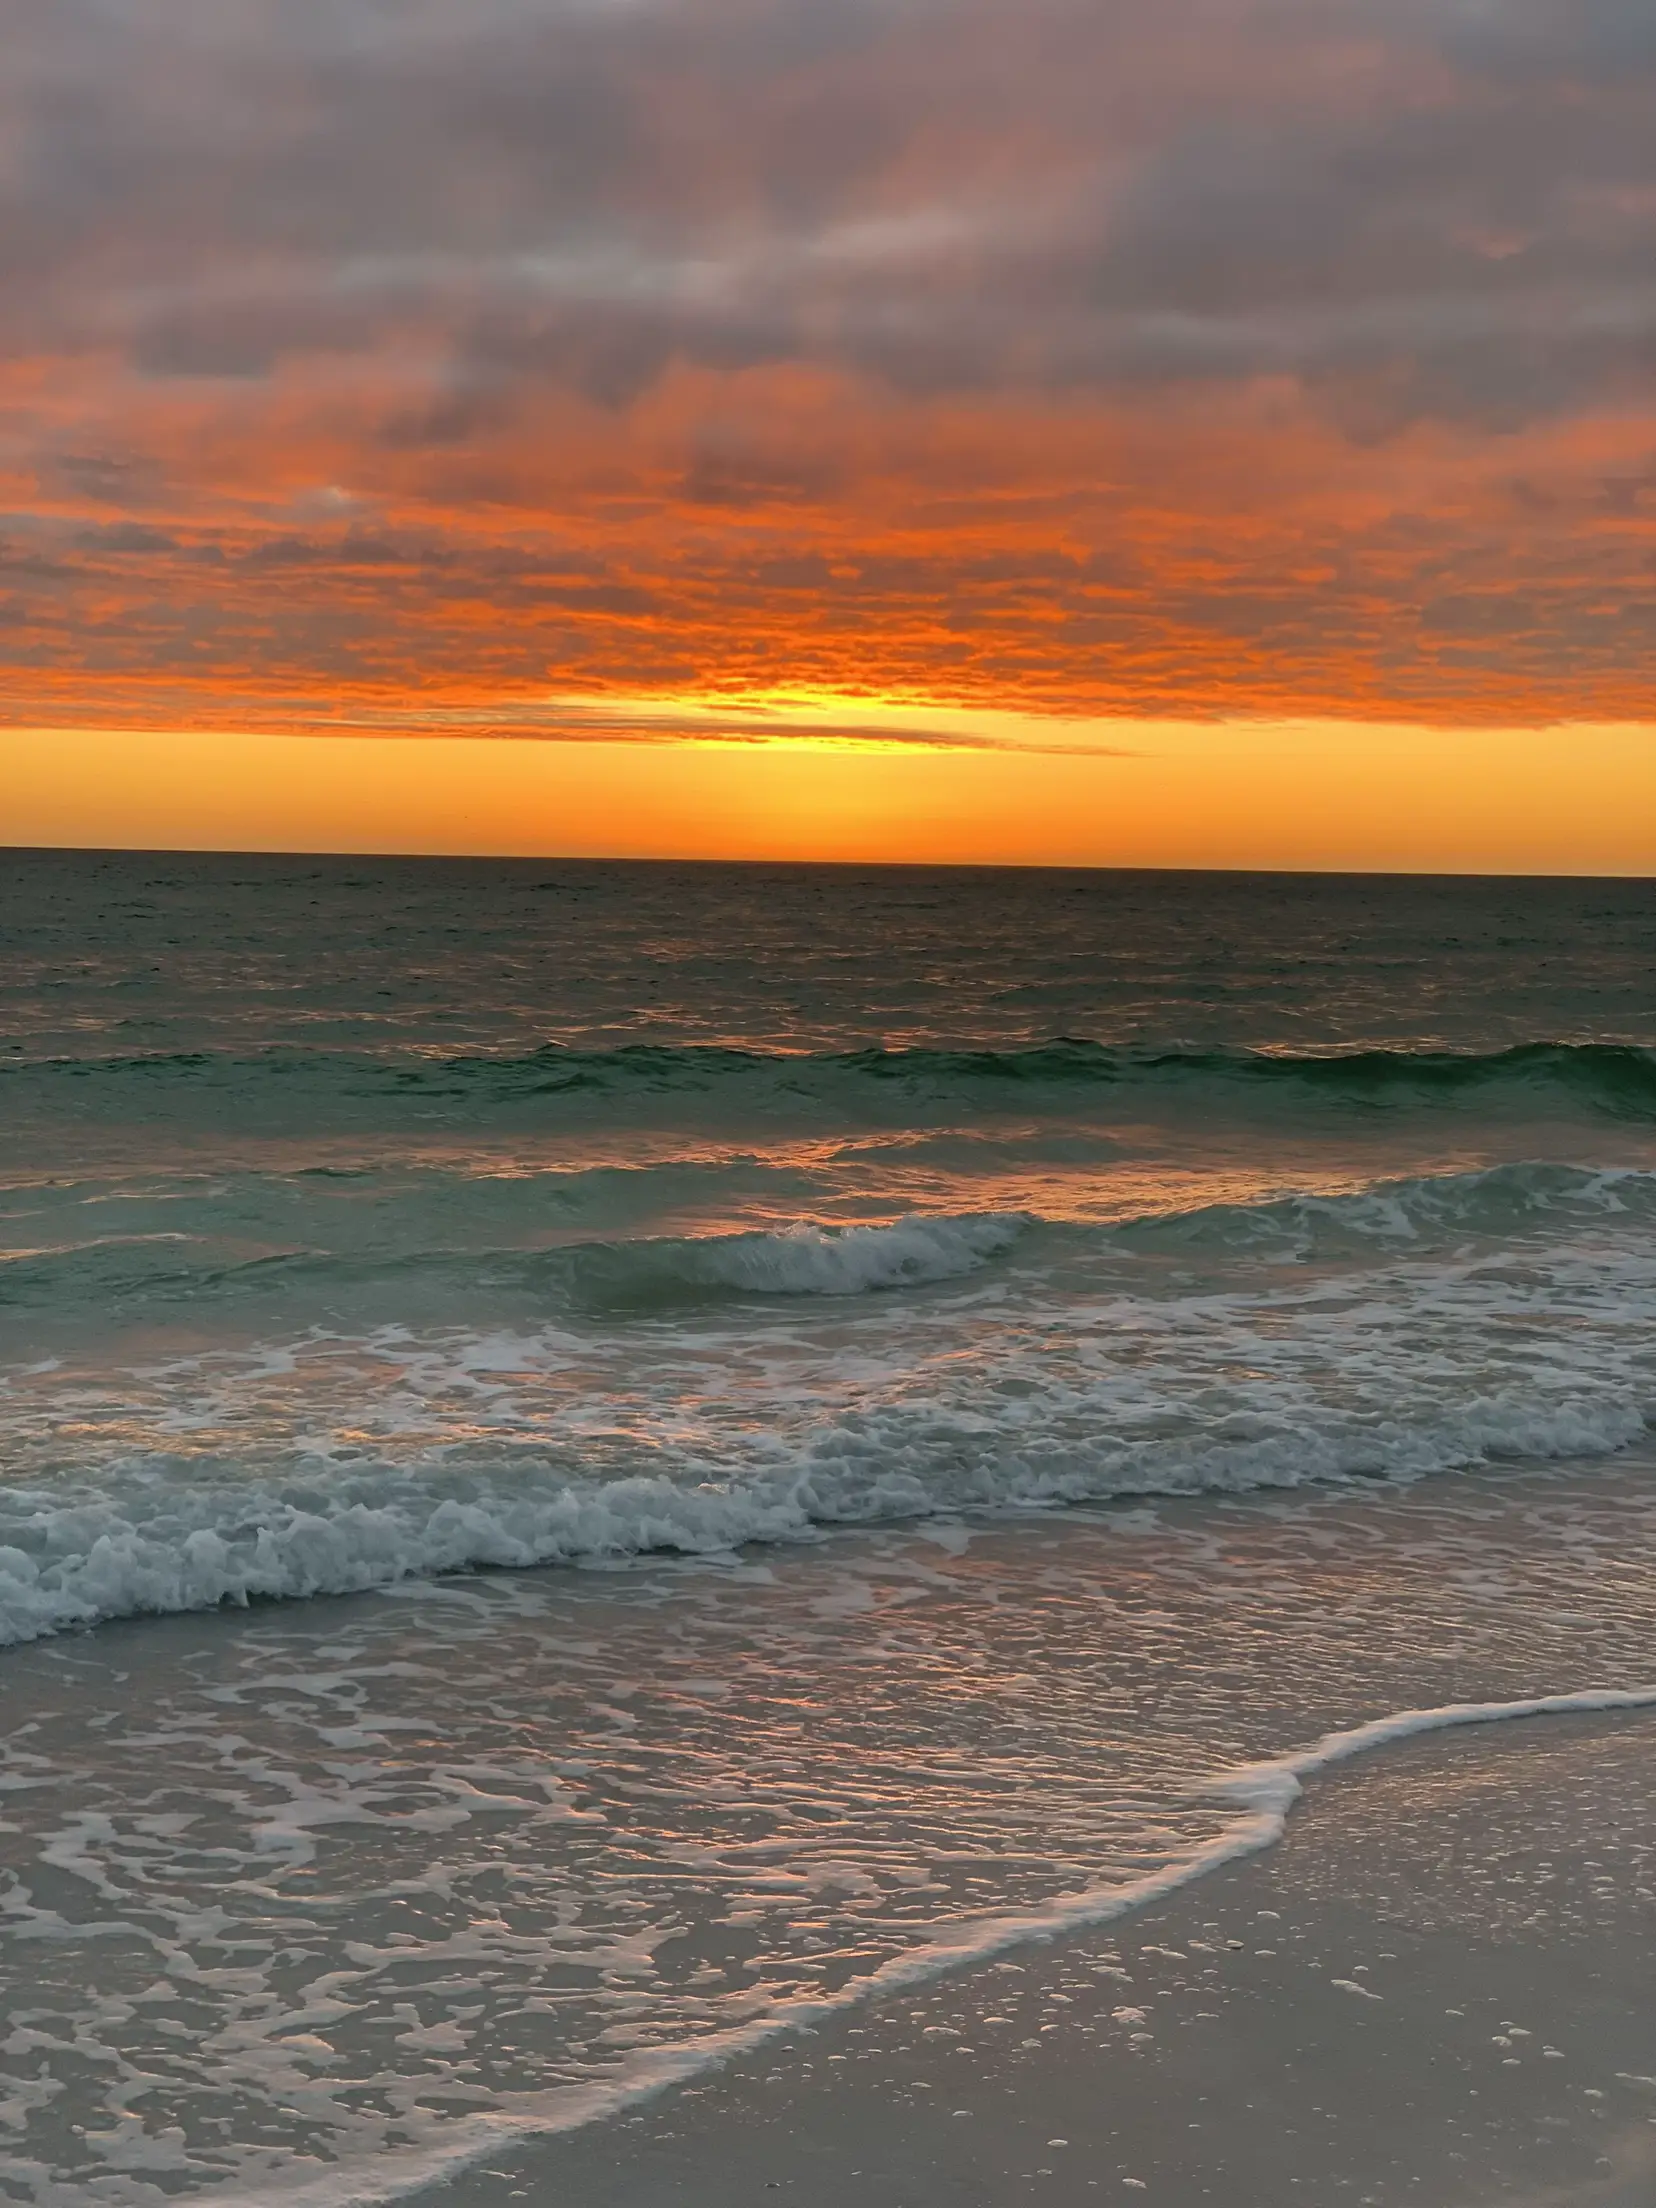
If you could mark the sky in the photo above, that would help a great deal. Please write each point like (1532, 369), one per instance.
(1208, 432)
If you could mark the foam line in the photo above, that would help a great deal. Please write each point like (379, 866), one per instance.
(148, 1548)
(1265, 1791)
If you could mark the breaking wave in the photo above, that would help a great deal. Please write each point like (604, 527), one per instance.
(1496, 1203)
(643, 1272)
(805, 1260)
(154, 1540)
(1407, 1328)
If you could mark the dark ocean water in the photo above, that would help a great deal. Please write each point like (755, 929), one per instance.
(1203, 1270)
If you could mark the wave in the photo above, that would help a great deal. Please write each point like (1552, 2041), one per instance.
(154, 1539)
(1092, 1371)
(803, 1260)
(660, 1272)
(1614, 1079)
(640, 1273)
(1491, 1204)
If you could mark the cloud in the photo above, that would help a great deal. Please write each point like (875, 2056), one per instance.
(1233, 355)
(794, 723)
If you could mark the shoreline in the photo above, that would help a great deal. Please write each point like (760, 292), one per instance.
(1041, 1946)
(1178, 2054)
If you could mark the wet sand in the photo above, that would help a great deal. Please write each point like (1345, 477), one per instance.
(1440, 1988)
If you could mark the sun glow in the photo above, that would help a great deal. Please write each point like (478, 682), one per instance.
(797, 775)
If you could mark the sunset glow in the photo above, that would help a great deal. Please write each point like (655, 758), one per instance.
(1306, 795)
(1230, 385)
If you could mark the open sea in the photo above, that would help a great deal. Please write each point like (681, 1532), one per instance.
(597, 1460)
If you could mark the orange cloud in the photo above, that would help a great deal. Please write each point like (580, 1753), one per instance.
(771, 529)
(440, 369)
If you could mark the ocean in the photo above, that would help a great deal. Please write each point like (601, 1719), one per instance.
(597, 1460)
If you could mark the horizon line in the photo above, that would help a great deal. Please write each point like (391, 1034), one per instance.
(797, 865)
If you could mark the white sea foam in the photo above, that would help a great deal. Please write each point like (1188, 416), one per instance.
(149, 1543)
(505, 1856)
(1265, 1792)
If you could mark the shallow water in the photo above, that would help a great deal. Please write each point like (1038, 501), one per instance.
(1134, 1318)
(331, 1895)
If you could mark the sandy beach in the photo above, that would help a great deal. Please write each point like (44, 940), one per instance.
(1436, 1989)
